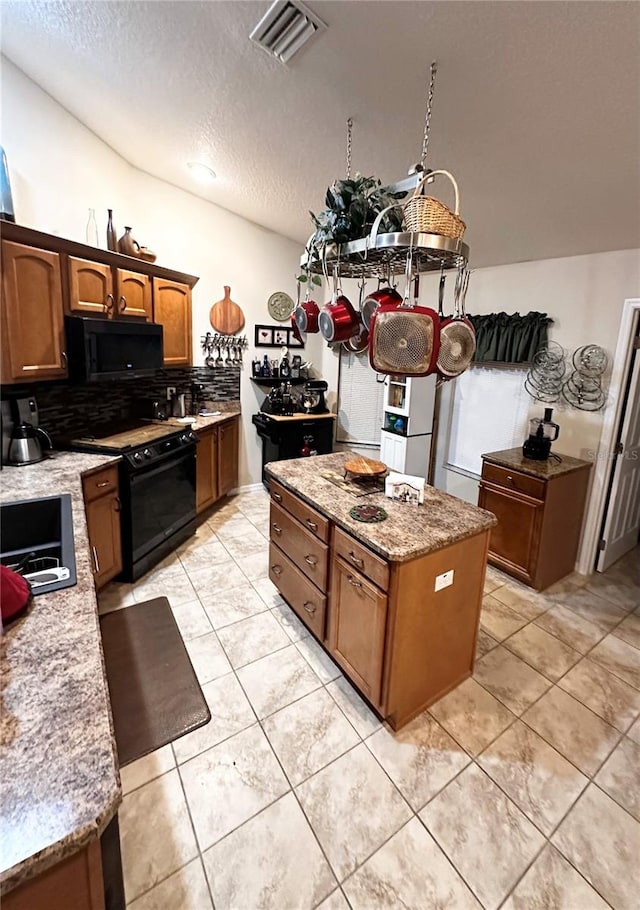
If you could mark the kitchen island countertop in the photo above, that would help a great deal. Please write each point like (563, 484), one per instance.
(548, 469)
(58, 758)
(408, 532)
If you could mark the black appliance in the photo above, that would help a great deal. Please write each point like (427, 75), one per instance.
(280, 400)
(287, 438)
(157, 490)
(112, 349)
(313, 396)
(542, 432)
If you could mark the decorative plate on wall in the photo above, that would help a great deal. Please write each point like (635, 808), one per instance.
(280, 306)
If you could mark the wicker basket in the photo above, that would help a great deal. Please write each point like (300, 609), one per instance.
(426, 215)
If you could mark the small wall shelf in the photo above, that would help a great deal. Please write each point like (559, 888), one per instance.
(271, 381)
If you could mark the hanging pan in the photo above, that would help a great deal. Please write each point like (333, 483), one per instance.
(457, 336)
(338, 320)
(404, 337)
(360, 341)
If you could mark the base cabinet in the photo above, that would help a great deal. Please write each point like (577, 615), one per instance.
(357, 623)
(102, 509)
(75, 883)
(400, 641)
(217, 462)
(539, 521)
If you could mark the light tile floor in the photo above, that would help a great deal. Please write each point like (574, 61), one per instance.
(517, 790)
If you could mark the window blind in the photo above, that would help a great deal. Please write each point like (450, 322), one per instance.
(360, 401)
(489, 410)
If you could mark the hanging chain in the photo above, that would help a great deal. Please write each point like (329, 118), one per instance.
(427, 120)
(349, 127)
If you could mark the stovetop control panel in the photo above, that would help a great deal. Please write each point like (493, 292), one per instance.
(148, 454)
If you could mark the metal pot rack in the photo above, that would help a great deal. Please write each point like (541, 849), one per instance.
(381, 255)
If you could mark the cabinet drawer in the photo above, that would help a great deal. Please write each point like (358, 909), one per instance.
(301, 595)
(309, 554)
(95, 485)
(514, 480)
(361, 558)
(313, 521)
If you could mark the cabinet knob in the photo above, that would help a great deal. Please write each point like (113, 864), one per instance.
(276, 528)
(65, 356)
(277, 497)
(359, 562)
(311, 524)
(309, 607)
(109, 303)
(123, 303)
(117, 504)
(351, 580)
(311, 560)
(277, 570)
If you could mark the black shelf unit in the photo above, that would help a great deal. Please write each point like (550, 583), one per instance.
(271, 381)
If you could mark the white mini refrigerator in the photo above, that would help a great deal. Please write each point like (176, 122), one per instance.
(407, 424)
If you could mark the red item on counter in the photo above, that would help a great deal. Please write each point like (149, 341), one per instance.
(15, 594)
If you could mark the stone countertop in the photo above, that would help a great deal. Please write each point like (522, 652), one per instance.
(60, 783)
(203, 423)
(547, 470)
(409, 531)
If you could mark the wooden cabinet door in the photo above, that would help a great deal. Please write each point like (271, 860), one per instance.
(172, 310)
(228, 456)
(32, 318)
(90, 288)
(357, 624)
(133, 295)
(207, 469)
(103, 526)
(514, 540)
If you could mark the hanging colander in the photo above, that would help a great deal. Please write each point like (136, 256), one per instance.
(457, 336)
(404, 338)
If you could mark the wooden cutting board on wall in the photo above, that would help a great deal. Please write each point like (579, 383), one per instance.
(226, 316)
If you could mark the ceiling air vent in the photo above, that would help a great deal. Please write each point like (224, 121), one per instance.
(285, 28)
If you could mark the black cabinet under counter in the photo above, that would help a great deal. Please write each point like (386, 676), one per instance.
(284, 436)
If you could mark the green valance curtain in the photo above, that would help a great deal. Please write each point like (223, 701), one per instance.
(509, 337)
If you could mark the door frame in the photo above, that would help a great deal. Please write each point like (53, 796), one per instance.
(603, 463)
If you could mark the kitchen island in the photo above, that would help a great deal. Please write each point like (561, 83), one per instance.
(396, 603)
(58, 757)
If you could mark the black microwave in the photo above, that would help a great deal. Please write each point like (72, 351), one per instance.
(112, 349)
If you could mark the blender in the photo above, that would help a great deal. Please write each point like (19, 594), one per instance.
(542, 432)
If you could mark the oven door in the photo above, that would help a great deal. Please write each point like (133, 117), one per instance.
(162, 500)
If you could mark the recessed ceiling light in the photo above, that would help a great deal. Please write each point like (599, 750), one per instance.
(201, 172)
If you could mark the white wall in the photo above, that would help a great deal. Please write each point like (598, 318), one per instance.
(59, 169)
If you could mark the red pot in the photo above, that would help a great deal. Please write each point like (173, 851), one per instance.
(374, 300)
(306, 316)
(338, 320)
(300, 336)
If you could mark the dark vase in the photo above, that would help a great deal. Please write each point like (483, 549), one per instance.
(112, 237)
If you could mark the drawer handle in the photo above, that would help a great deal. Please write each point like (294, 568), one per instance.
(355, 559)
(309, 607)
(277, 497)
(276, 528)
(311, 560)
(104, 483)
(509, 478)
(311, 524)
(277, 570)
(356, 584)
(123, 303)
(109, 303)
(118, 505)
(95, 560)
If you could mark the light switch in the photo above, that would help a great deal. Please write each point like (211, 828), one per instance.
(444, 580)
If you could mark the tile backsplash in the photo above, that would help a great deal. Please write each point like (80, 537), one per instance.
(68, 409)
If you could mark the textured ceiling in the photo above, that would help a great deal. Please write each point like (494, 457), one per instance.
(536, 108)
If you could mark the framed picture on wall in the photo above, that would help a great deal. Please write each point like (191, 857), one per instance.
(264, 336)
(275, 336)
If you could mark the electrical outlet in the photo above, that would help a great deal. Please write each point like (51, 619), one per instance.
(444, 580)
(171, 391)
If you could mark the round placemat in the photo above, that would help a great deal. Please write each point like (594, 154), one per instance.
(368, 513)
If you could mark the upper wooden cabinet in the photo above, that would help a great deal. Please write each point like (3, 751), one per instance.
(133, 295)
(32, 324)
(90, 288)
(172, 309)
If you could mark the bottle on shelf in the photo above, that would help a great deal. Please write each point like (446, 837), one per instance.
(265, 369)
(112, 235)
(285, 369)
(91, 232)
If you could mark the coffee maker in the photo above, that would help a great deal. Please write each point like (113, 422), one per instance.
(542, 432)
